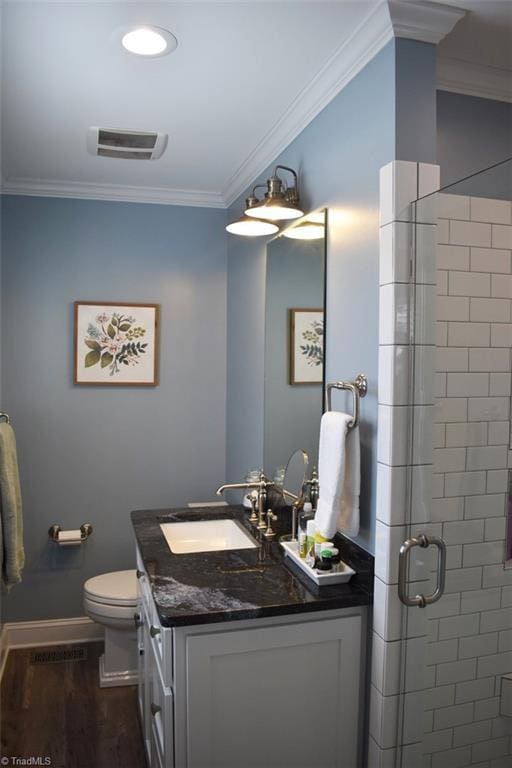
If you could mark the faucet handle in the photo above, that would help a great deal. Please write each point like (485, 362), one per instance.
(270, 533)
(253, 498)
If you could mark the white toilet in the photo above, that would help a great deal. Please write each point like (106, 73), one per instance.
(111, 600)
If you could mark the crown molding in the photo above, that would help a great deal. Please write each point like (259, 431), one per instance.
(116, 192)
(426, 22)
(460, 76)
(345, 63)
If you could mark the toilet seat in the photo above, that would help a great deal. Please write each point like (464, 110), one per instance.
(118, 588)
(123, 612)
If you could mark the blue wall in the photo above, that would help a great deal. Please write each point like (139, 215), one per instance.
(90, 453)
(339, 155)
(473, 134)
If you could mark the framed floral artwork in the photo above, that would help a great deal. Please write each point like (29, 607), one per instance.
(116, 344)
(306, 346)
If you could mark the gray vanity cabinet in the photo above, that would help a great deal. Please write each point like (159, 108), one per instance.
(276, 692)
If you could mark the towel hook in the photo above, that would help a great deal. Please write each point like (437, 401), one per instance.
(5, 417)
(358, 388)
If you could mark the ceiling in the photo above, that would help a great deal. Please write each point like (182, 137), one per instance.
(246, 77)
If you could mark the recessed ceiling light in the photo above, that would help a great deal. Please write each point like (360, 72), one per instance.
(148, 41)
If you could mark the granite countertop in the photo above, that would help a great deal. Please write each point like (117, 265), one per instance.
(209, 587)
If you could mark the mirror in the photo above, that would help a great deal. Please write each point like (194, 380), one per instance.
(294, 342)
(295, 476)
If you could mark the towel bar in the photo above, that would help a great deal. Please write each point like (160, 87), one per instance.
(358, 387)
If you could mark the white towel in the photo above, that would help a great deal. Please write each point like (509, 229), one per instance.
(339, 475)
(12, 555)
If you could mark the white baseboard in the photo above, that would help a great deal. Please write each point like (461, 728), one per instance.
(30, 634)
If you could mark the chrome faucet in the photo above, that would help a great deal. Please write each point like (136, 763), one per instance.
(261, 487)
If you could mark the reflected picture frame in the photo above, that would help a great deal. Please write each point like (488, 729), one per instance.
(306, 346)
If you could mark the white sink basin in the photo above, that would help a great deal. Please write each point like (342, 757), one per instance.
(206, 536)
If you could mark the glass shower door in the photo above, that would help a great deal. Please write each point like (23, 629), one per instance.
(453, 610)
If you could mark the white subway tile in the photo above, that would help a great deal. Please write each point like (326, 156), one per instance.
(494, 621)
(467, 385)
(487, 709)
(491, 749)
(422, 441)
(451, 409)
(497, 575)
(398, 188)
(449, 460)
(395, 253)
(464, 532)
(470, 233)
(385, 674)
(424, 372)
(452, 359)
(444, 510)
(463, 579)
(394, 314)
(454, 557)
(437, 741)
(470, 734)
(447, 717)
(422, 492)
(489, 360)
(392, 435)
(500, 384)
(393, 375)
(501, 727)
(452, 758)
(428, 179)
(478, 645)
(439, 435)
(487, 457)
(482, 554)
(388, 540)
(443, 231)
(459, 626)
(464, 483)
(497, 664)
(495, 529)
(442, 651)
(486, 310)
(453, 206)
(468, 335)
(506, 597)
(469, 284)
(474, 690)
(383, 718)
(391, 493)
(490, 505)
(497, 480)
(433, 630)
(425, 315)
(448, 606)
(505, 640)
(490, 260)
(487, 209)
(456, 671)
(442, 333)
(501, 236)
(442, 282)
(488, 409)
(453, 257)
(437, 486)
(501, 335)
(441, 696)
(457, 308)
(425, 242)
(480, 600)
(501, 286)
(474, 433)
(386, 612)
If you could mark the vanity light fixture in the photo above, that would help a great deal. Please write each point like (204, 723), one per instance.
(281, 203)
(248, 226)
(148, 41)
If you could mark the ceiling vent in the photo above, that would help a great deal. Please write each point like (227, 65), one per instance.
(126, 145)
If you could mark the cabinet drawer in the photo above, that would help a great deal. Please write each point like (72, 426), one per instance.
(160, 638)
(161, 717)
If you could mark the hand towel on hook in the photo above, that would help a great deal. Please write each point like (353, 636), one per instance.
(339, 474)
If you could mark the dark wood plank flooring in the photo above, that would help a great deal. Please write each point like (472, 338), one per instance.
(57, 710)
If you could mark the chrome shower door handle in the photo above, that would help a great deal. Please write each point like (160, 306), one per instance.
(421, 541)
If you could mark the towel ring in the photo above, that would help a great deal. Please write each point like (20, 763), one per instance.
(359, 389)
(5, 417)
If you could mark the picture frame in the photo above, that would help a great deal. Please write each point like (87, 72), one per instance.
(306, 346)
(116, 344)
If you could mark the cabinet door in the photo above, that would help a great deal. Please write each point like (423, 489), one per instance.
(275, 697)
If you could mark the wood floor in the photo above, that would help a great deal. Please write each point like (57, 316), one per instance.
(58, 711)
